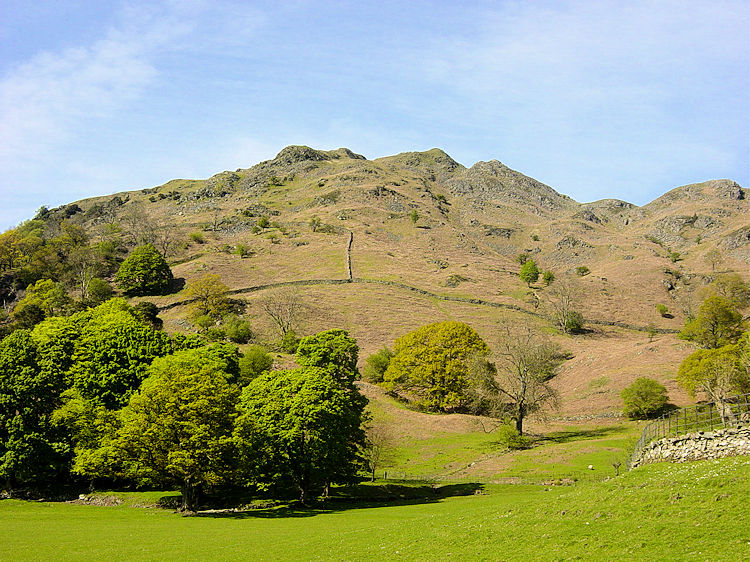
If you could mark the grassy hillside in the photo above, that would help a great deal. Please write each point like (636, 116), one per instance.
(471, 223)
(694, 511)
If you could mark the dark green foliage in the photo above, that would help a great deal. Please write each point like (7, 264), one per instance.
(334, 351)
(302, 427)
(255, 362)
(30, 448)
(582, 270)
(433, 362)
(263, 222)
(522, 258)
(148, 313)
(529, 272)
(674, 257)
(376, 365)
(548, 277)
(414, 216)
(643, 399)
(144, 272)
(28, 316)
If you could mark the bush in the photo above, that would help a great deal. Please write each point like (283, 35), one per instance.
(529, 272)
(674, 257)
(99, 291)
(643, 399)
(215, 333)
(535, 237)
(254, 363)
(237, 329)
(662, 309)
(574, 323)
(242, 250)
(548, 277)
(582, 270)
(197, 237)
(263, 222)
(521, 258)
(289, 342)
(508, 436)
(376, 365)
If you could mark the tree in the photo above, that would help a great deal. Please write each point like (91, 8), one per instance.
(99, 291)
(518, 382)
(719, 373)
(301, 426)
(414, 216)
(334, 351)
(432, 362)
(284, 307)
(177, 430)
(112, 353)
(717, 323)
(377, 451)
(662, 309)
(144, 272)
(548, 277)
(713, 258)
(47, 295)
(238, 329)
(315, 223)
(376, 365)
(732, 287)
(209, 294)
(30, 448)
(562, 299)
(529, 272)
(644, 398)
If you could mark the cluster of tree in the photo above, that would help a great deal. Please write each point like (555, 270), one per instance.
(102, 395)
(446, 367)
(52, 266)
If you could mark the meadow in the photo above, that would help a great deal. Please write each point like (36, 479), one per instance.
(692, 511)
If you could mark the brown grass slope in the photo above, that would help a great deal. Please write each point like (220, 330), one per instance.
(471, 224)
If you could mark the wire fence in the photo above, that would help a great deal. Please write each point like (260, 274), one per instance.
(701, 417)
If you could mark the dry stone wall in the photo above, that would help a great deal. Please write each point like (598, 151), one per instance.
(697, 446)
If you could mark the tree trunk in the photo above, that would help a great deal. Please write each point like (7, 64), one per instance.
(519, 423)
(190, 497)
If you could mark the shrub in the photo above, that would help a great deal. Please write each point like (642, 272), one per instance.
(414, 216)
(254, 363)
(237, 329)
(376, 365)
(197, 237)
(521, 258)
(582, 270)
(644, 398)
(529, 272)
(548, 277)
(574, 323)
(508, 436)
(535, 237)
(215, 333)
(674, 257)
(242, 250)
(99, 291)
(263, 222)
(289, 342)
(662, 309)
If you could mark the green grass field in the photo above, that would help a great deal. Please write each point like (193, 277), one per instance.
(694, 511)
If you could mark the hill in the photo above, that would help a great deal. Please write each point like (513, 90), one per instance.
(424, 239)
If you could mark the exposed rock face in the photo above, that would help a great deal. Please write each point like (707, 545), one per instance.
(697, 446)
(493, 181)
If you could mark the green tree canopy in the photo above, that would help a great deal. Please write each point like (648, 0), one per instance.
(301, 426)
(717, 323)
(529, 272)
(144, 272)
(112, 352)
(644, 398)
(254, 362)
(177, 429)
(335, 351)
(432, 362)
(209, 294)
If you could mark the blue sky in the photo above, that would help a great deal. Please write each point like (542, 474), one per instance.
(597, 99)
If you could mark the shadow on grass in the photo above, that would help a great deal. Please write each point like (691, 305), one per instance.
(579, 434)
(360, 497)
